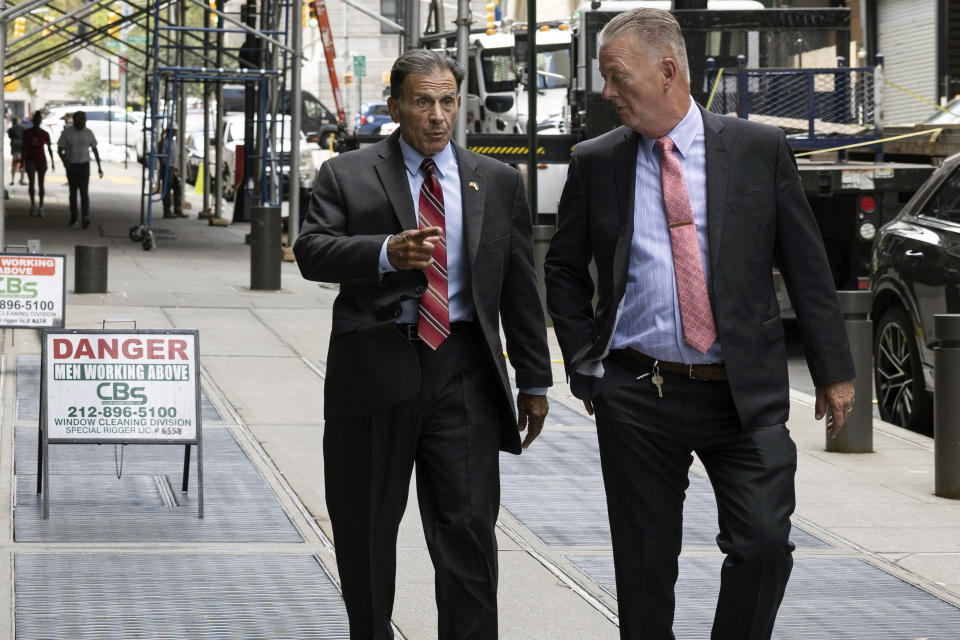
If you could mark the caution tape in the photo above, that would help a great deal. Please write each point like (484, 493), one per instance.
(914, 95)
(713, 91)
(933, 133)
(505, 151)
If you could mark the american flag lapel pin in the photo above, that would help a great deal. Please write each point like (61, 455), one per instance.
(474, 185)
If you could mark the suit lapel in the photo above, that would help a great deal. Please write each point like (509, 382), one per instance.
(472, 197)
(392, 173)
(625, 177)
(718, 169)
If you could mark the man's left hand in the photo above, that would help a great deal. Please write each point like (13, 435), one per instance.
(531, 412)
(100, 171)
(838, 397)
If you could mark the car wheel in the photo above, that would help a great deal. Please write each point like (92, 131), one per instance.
(898, 373)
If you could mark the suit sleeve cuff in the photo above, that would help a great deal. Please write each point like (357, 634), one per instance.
(385, 266)
(534, 391)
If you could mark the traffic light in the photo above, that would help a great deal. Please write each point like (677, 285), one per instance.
(112, 28)
(214, 18)
(491, 18)
(19, 27)
(47, 20)
(313, 15)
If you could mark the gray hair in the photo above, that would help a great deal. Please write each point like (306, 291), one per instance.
(655, 31)
(421, 61)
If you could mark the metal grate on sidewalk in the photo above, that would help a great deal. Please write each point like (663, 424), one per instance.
(556, 490)
(89, 504)
(28, 392)
(836, 598)
(170, 597)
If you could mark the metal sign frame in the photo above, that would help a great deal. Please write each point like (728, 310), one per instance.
(63, 290)
(43, 473)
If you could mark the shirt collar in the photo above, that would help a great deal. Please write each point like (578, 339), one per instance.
(446, 160)
(683, 134)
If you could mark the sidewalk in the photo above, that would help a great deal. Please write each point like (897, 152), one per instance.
(878, 556)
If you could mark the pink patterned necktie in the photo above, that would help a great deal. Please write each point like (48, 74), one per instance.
(695, 312)
(433, 324)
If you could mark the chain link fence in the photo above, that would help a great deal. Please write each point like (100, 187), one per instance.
(815, 107)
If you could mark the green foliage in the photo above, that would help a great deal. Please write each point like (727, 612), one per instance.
(88, 87)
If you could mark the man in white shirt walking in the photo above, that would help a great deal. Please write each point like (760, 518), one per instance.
(74, 147)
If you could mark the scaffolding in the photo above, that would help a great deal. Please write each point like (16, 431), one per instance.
(178, 46)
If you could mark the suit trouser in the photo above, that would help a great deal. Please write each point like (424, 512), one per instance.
(645, 450)
(451, 433)
(174, 190)
(78, 179)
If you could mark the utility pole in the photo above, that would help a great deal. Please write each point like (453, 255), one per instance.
(296, 63)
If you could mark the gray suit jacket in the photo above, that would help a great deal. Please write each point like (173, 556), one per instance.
(757, 217)
(361, 197)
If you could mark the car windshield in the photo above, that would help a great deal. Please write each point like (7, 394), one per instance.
(553, 66)
(499, 73)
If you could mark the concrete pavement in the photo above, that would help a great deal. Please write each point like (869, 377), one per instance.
(867, 519)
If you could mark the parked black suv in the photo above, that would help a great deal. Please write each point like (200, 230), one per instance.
(915, 273)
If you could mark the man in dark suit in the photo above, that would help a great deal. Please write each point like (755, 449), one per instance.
(431, 244)
(686, 213)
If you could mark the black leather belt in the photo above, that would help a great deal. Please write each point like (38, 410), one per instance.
(409, 329)
(631, 358)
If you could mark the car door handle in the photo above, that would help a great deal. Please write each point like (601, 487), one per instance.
(913, 255)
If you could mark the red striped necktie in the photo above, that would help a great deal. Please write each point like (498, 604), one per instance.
(433, 323)
(695, 312)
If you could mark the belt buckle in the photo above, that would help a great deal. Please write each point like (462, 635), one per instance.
(410, 331)
(693, 377)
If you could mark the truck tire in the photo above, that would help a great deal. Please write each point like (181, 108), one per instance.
(902, 396)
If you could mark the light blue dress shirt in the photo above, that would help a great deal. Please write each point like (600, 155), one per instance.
(649, 320)
(459, 294)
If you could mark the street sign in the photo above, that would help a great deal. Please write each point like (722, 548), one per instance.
(32, 290)
(137, 39)
(360, 66)
(137, 387)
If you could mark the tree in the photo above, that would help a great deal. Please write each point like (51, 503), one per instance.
(89, 87)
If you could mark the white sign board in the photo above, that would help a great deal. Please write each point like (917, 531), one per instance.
(32, 290)
(122, 386)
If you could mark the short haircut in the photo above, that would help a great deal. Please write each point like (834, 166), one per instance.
(654, 30)
(79, 114)
(421, 61)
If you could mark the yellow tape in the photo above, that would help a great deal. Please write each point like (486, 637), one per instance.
(716, 83)
(913, 95)
(870, 143)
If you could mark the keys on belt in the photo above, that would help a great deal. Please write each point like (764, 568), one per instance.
(640, 362)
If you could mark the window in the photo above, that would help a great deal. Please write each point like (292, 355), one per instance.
(498, 71)
(553, 68)
(379, 110)
(945, 203)
(93, 116)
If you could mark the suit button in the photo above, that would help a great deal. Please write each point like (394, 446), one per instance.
(396, 313)
(420, 289)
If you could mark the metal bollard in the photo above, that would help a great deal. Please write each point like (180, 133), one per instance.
(542, 233)
(90, 268)
(856, 436)
(946, 405)
(266, 249)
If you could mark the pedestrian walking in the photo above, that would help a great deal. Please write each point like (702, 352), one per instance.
(684, 213)
(170, 170)
(15, 133)
(416, 375)
(74, 146)
(34, 140)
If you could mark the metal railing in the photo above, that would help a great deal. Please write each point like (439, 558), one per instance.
(817, 108)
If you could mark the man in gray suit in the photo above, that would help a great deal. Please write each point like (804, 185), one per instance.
(686, 213)
(431, 245)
